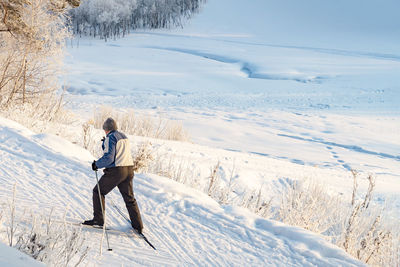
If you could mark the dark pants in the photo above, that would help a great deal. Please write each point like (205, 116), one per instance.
(121, 177)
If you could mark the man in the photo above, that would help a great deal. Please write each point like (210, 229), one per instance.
(118, 164)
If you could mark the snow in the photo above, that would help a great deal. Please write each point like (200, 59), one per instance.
(275, 91)
(11, 257)
(186, 226)
(264, 79)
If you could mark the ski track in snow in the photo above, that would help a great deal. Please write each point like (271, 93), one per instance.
(186, 226)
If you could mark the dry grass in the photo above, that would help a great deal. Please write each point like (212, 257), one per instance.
(132, 123)
(39, 237)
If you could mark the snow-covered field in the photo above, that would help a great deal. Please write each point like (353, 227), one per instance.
(288, 81)
(186, 226)
(275, 92)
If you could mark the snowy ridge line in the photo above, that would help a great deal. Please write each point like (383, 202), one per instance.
(249, 69)
(349, 147)
(293, 234)
(330, 51)
(34, 141)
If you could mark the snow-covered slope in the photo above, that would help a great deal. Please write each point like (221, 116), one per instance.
(241, 77)
(11, 257)
(313, 83)
(186, 226)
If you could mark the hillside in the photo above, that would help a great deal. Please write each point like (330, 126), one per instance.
(271, 94)
(186, 226)
(237, 88)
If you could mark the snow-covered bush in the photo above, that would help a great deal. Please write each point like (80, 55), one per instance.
(46, 113)
(357, 227)
(32, 38)
(365, 234)
(51, 243)
(353, 225)
(306, 204)
(174, 167)
(142, 157)
(112, 18)
(55, 244)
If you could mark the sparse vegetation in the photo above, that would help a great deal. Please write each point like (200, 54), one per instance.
(353, 225)
(41, 238)
(365, 235)
(306, 204)
(142, 157)
(132, 123)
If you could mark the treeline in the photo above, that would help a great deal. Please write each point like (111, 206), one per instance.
(114, 18)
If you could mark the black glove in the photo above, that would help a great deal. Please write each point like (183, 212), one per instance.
(94, 167)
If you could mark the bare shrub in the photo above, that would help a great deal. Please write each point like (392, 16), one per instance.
(306, 204)
(87, 134)
(175, 131)
(226, 191)
(12, 226)
(174, 167)
(43, 240)
(52, 244)
(264, 210)
(40, 116)
(213, 180)
(359, 228)
(355, 187)
(356, 213)
(143, 157)
(366, 236)
(132, 123)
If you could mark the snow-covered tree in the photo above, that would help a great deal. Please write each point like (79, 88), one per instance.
(111, 18)
(32, 34)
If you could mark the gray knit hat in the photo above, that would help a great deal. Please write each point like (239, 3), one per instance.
(110, 125)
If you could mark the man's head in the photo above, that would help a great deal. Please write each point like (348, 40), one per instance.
(109, 125)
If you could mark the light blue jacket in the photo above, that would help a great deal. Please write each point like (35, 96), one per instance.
(117, 151)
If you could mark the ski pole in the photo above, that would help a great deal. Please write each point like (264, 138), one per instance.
(102, 211)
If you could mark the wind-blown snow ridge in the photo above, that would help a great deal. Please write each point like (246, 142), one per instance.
(187, 227)
(331, 51)
(247, 68)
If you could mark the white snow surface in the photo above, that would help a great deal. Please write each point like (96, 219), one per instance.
(186, 226)
(11, 257)
(279, 90)
(314, 83)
